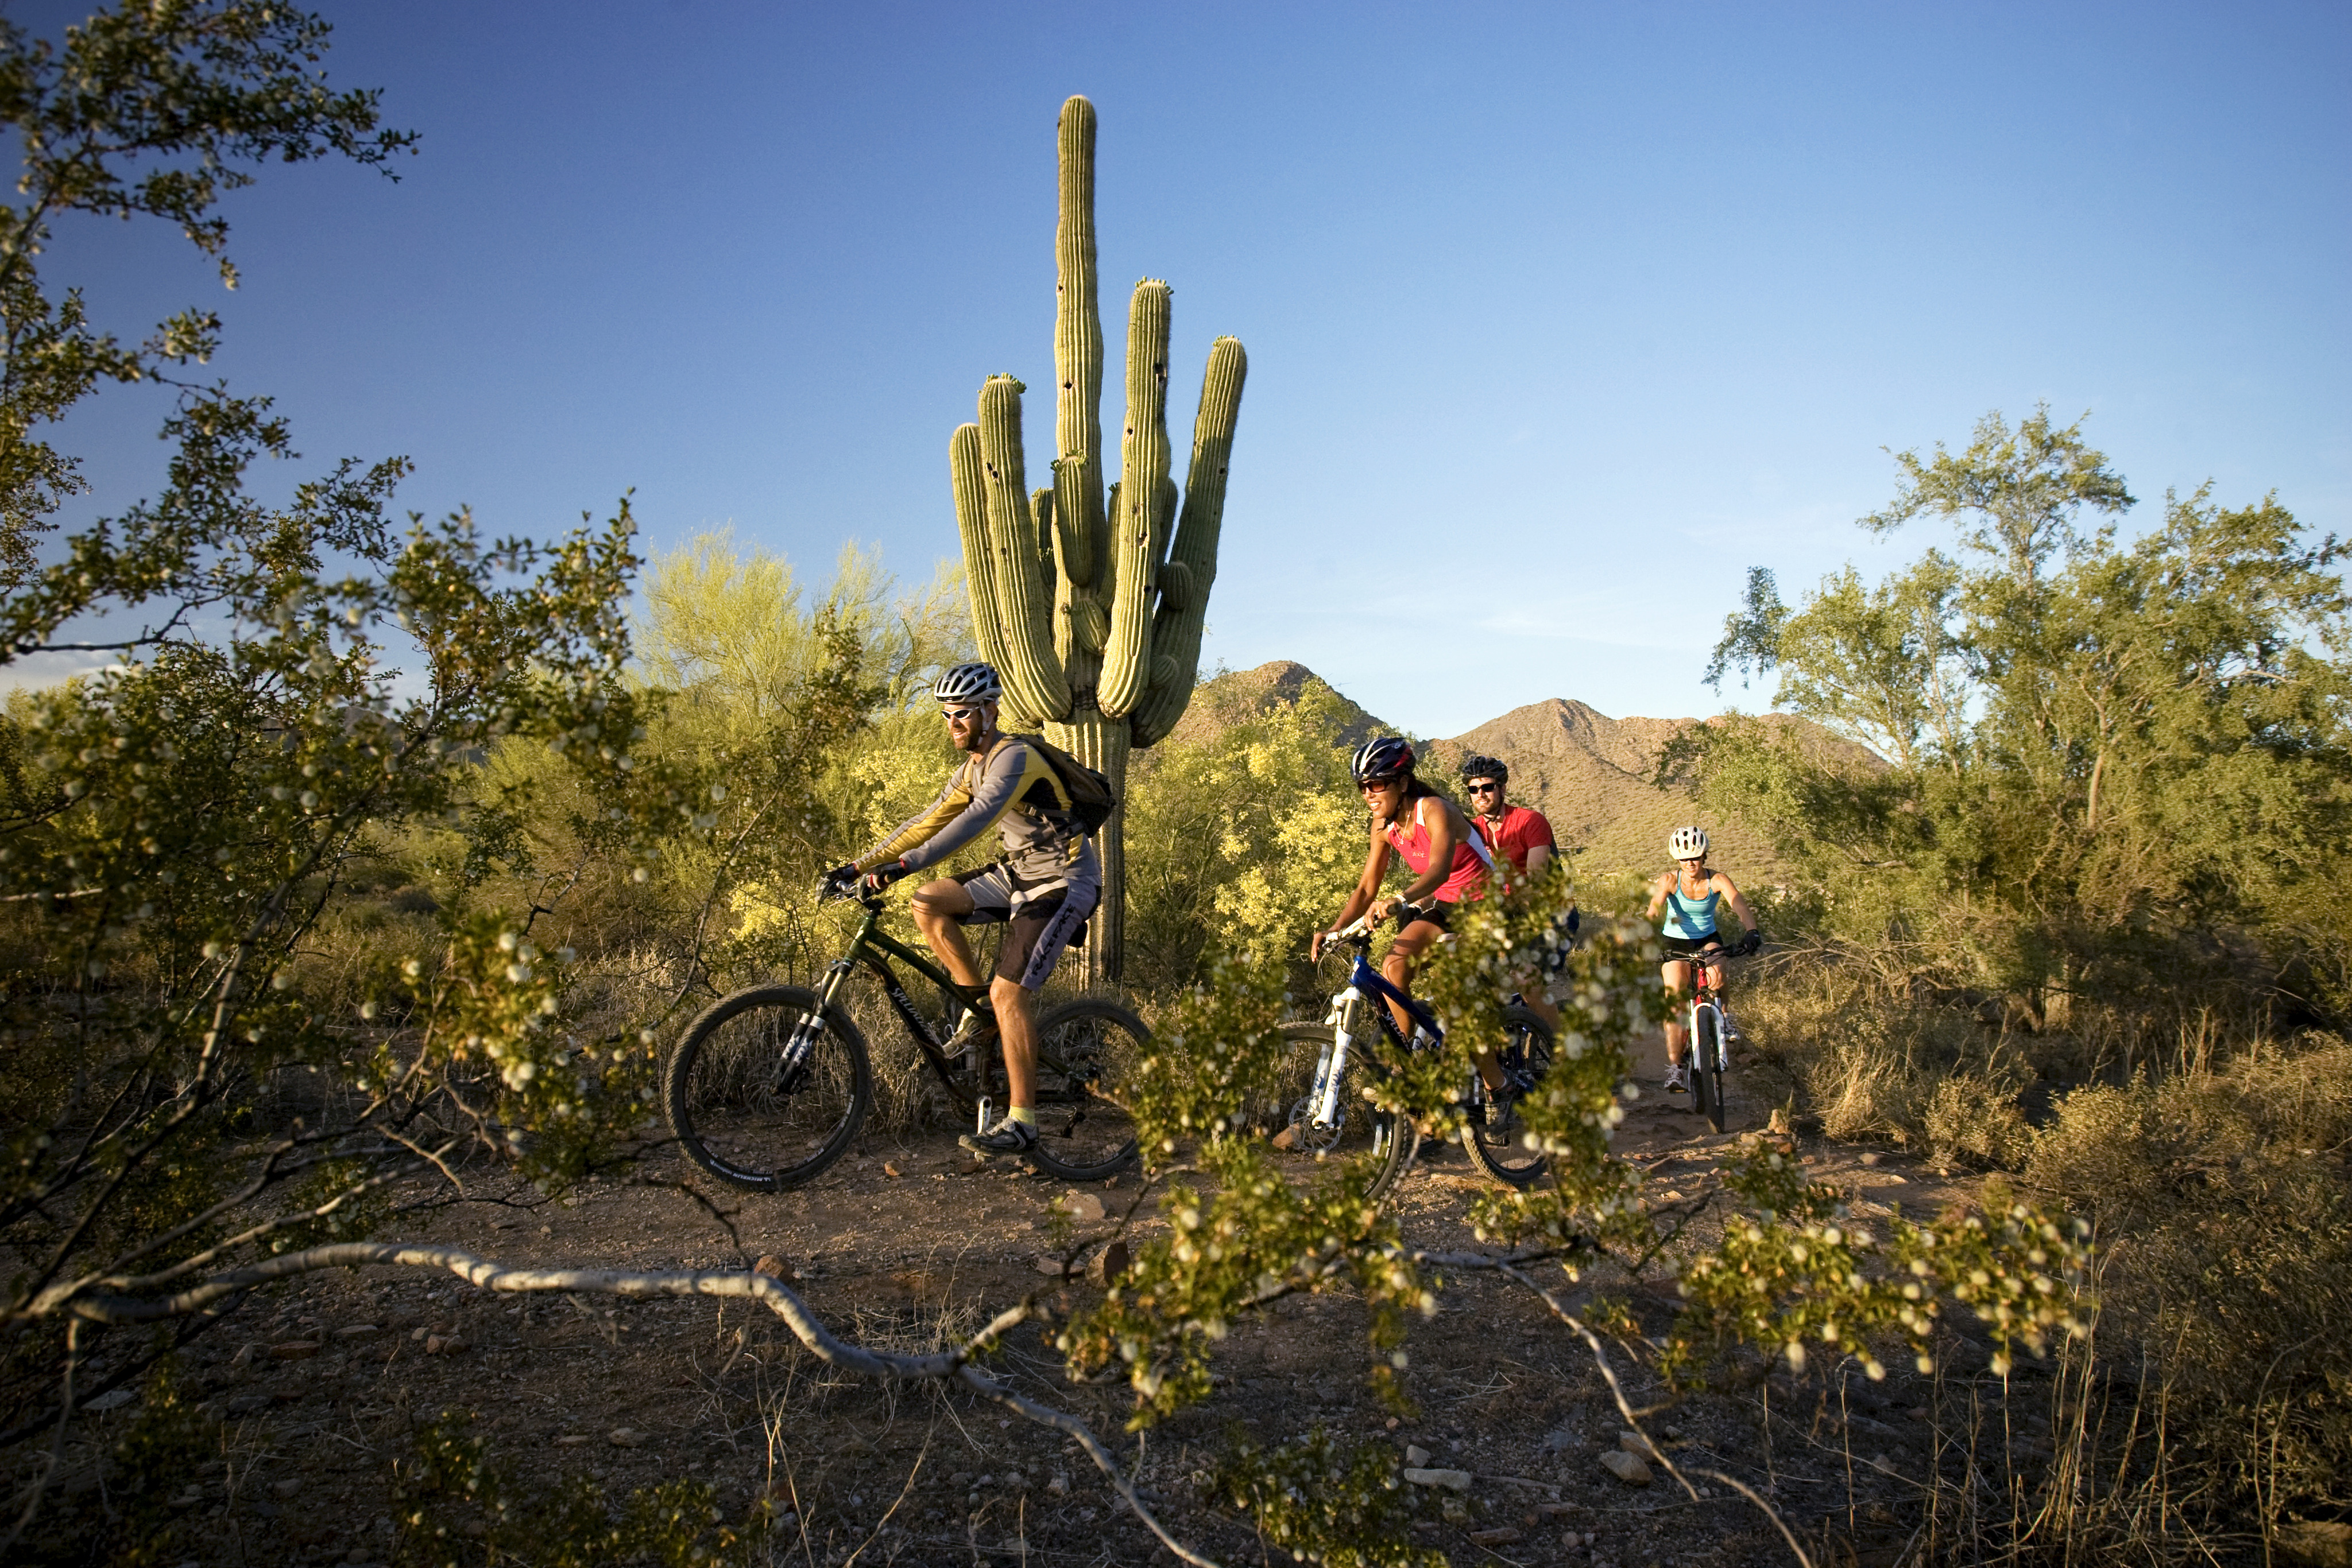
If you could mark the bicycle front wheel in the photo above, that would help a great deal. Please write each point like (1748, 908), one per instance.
(1362, 1128)
(1088, 1051)
(1496, 1139)
(739, 1114)
(1706, 1066)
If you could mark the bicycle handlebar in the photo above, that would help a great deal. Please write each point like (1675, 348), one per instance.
(1709, 956)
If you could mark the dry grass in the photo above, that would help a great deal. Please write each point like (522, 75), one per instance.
(1875, 1072)
(2210, 1418)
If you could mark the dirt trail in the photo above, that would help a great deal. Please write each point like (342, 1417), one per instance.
(904, 1246)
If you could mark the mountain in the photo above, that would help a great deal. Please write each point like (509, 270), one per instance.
(1589, 773)
(1230, 696)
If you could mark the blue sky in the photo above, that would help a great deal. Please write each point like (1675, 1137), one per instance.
(1559, 318)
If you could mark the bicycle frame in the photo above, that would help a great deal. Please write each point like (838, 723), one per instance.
(1364, 984)
(869, 948)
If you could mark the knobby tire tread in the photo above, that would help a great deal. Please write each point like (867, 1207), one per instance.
(1706, 1066)
(1403, 1140)
(1514, 1170)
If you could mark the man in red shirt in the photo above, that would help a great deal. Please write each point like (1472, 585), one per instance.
(1518, 837)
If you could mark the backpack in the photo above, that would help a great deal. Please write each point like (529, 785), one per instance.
(1087, 791)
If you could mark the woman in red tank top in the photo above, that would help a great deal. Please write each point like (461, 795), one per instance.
(1411, 820)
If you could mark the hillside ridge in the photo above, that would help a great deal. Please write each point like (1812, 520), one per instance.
(1591, 774)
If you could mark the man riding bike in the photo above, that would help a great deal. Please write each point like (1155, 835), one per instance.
(1693, 890)
(1518, 835)
(1047, 883)
(1415, 821)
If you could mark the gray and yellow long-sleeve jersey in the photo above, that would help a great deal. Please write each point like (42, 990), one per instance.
(1013, 789)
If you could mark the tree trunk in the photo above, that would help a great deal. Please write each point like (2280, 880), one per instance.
(1102, 744)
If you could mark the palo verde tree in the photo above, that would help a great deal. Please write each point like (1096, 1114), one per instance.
(1092, 607)
(2116, 764)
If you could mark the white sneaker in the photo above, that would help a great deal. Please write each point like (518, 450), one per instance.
(1675, 1084)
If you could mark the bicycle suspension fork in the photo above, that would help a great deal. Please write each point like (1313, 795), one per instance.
(1323, 1112)
(801, 1043)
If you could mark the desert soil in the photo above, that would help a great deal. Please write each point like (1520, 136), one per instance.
(903, 1246)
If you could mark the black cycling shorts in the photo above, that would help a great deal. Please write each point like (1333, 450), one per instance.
(1038, 928)
(1438, 915)
(1692, 946)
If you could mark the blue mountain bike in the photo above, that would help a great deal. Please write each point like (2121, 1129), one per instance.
(1335, 1114)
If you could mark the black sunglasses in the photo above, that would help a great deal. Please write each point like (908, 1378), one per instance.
(1485, 788)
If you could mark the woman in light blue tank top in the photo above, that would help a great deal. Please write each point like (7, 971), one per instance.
(1689, 897)
(1692, 919)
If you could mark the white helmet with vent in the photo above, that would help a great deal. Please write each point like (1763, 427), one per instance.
(972, 682)
(1688, 843)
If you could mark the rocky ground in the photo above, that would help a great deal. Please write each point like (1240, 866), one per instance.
(319, 1387)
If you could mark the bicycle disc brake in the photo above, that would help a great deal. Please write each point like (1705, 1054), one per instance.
(1305, 1138)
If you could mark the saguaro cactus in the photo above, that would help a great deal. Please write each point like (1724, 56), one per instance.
(1092, 609)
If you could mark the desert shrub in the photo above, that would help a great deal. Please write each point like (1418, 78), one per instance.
(1242, 842)
(2221, 1200)
(1831, 1043)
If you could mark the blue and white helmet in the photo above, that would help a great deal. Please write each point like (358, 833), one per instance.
(972, 682)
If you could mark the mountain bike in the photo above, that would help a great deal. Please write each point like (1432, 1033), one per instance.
(1333, 1115)
(1703, 1023)
(770, 1086)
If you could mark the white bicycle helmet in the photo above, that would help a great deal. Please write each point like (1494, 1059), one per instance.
(972, 682)
(1688, 843)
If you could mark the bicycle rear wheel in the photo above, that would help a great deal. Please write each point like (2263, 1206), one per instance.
(1496, 1138)
(1706, 1066)
(1086, 1054)
(1363, 1129)
(736, 1113)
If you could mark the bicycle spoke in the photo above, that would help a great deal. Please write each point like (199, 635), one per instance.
(1085, 1053)
(741, 1114)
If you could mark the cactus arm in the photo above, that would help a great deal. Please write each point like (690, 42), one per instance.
(1078, 350)
(1033, 681)
(1143, 466)
(970, 480)
(1191, 566)
(1077, 536)
(1041, 528)
(969, 475)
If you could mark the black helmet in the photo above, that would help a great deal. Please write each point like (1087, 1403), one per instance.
(1476, 767)
(1382, 758)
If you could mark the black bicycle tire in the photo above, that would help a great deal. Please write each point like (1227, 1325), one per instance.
(1042, 1153)
(677, 1099)
(1706, 1066)
(1520, 1177)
